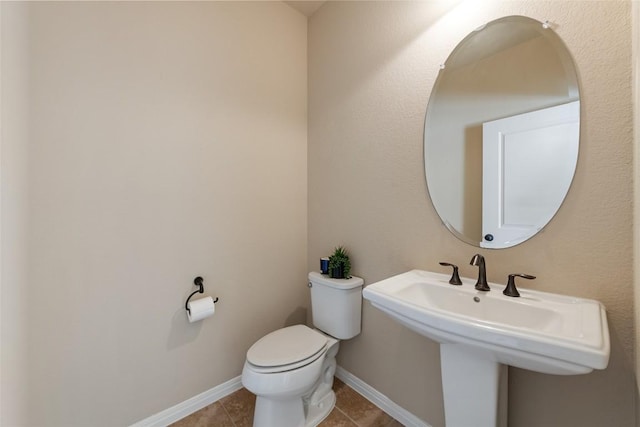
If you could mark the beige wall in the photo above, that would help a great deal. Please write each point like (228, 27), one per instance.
(14, 134)
(371, 68)
(166, 141)
(636, 166)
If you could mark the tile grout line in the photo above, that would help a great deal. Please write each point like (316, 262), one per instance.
(346, 416)
(228, 414)
(362, 397)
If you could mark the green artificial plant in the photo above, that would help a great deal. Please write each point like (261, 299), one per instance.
(339, 264)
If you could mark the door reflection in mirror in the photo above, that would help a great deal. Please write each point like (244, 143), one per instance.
(528, 162)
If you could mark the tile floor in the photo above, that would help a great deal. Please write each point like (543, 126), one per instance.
(236, 410)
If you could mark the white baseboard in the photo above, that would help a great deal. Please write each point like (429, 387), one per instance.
(189, 406)
(380, 400)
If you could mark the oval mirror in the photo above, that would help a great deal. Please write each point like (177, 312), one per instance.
(502, 131)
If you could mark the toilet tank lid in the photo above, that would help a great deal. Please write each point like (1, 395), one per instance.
(353, 282)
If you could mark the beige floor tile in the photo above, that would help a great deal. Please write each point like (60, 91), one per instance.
(212, 415)
(359, 409)
(337, 419)
(239, 406)
(338, 385)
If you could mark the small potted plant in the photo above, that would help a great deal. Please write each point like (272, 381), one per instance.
(339, 264)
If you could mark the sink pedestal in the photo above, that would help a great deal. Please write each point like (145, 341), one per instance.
(474, 387)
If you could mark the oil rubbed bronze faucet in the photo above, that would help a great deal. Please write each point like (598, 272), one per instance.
(455, 277)
(511, 290)
(481, 284)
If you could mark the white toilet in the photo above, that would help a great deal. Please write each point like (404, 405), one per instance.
(291, 370)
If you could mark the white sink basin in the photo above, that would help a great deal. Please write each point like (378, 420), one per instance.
(539, 331)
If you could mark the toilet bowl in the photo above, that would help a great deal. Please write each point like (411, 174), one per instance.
(291, 369)
(291, 392)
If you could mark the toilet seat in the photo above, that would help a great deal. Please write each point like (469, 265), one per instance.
(286, 349)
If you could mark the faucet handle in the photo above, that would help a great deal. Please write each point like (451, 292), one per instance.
(511, 290)
(455, 278)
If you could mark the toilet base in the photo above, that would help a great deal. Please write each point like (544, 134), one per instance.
(272, 412)
(319, 404)
(296, 412)
(317, 412)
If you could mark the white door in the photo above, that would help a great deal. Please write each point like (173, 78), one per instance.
(528, 162)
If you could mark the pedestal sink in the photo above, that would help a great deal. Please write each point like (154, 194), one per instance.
(482, 332)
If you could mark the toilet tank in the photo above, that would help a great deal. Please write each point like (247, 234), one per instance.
(336, 305)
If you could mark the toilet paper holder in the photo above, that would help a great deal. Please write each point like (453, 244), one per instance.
(198, 281)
